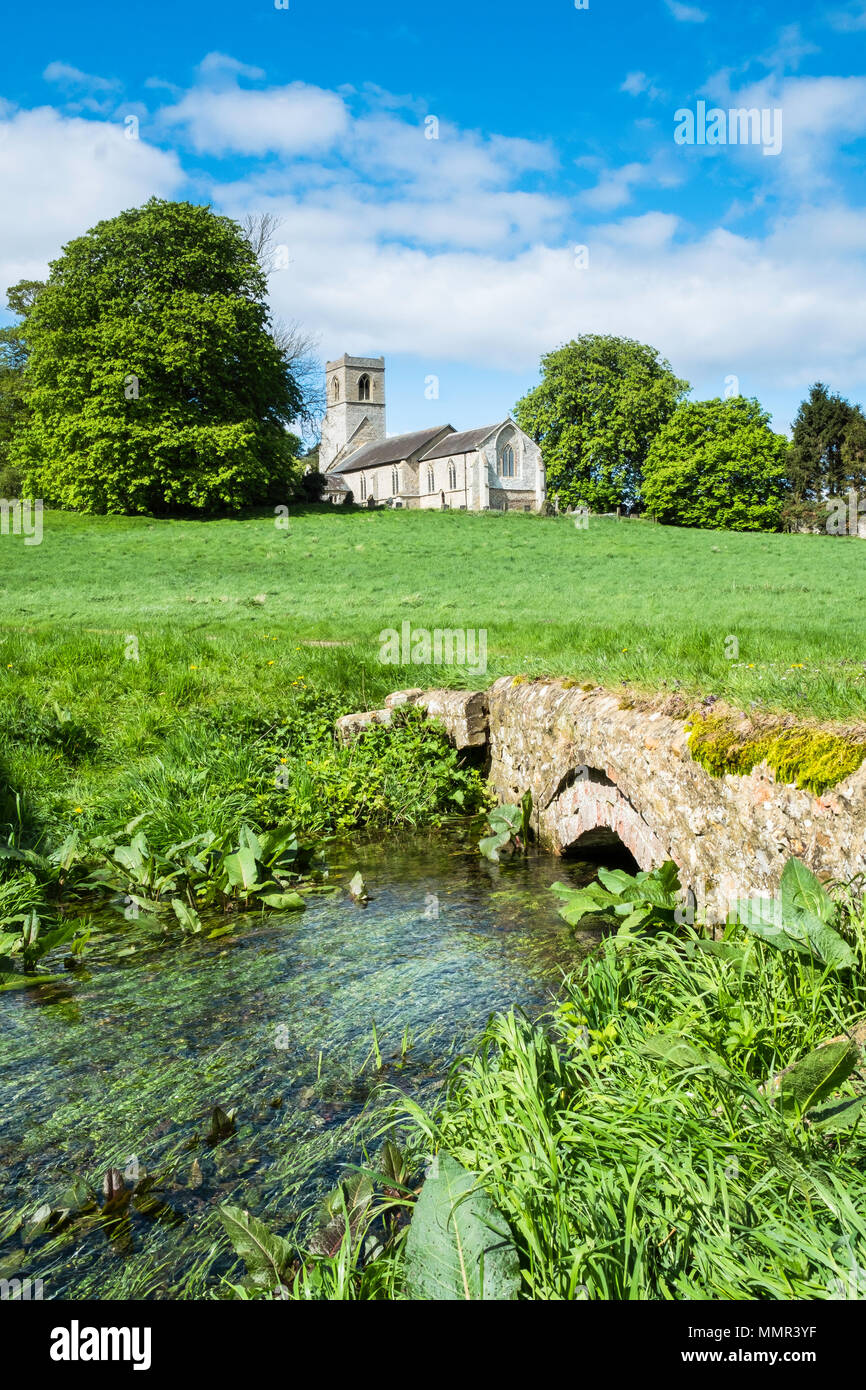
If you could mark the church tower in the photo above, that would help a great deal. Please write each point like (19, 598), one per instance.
(356, 407)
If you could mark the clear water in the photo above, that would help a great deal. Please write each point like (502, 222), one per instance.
(121, 1064)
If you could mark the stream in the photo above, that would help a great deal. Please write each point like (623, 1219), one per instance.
(121, 1063)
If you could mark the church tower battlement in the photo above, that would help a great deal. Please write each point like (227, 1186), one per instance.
(355, 389)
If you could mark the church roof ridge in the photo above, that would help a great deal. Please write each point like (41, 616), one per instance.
(462, 441)
(391, 450)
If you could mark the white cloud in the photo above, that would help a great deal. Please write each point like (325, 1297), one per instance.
(850, 20)
(686, 14)
(638, 84)
(820, 115)
(615, 186)
(62, 174)
(69, 77)
(443, 248)
(291, 120)
(216, 65)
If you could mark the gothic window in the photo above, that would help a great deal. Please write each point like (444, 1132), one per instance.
(335, 386)
(506, 462)
(452, 474)
(395, 482)
(431, 480)
(363, 482)
(363, 388)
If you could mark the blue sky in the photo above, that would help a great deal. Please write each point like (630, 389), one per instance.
(456, 256)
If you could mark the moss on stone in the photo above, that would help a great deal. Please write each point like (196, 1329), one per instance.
(811, 758)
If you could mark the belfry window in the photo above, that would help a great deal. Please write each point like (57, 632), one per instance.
(335, 389)
(363, 388)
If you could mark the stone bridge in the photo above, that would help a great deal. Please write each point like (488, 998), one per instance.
(602, 775)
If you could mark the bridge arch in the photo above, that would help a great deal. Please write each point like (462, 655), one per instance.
(591, 812)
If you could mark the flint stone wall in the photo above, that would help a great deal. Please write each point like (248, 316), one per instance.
(596, 771)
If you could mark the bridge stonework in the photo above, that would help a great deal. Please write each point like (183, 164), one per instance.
(598, 771)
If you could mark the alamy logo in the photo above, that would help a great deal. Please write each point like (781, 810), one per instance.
(19, 518)
(419, 647)
(739, 126)
(20, 1289)
(846, 516)
(76, 1343)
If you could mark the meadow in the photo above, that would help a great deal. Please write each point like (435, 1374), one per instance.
(773, 619)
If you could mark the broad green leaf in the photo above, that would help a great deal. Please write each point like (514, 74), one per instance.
(814, 938)
(187, 916)
(817, 1074)
(492, 844)
(26, 981)
(458, 1246)
(803, 892)
(837, 1114)
(634, 919)
(760, 919)
(507, 816)
(615, 880)
(241, 869)
(250, 840)
(287, 902)
(673, 1049)
(266, 1256)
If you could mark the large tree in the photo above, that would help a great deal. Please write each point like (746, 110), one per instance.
(821, 464)
(718, 463)
(13, 399)
(600, 403)
(153, 378)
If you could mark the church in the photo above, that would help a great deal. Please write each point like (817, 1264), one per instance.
(495, 467)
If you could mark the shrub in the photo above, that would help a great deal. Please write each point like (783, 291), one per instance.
(717, 463)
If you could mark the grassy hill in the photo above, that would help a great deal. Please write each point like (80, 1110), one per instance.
(231, 604)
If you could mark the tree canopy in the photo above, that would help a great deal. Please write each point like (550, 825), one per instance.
(718, 463)
(153, 380)
(828, 446)
(600, 402)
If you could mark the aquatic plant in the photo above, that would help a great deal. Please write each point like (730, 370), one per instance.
(508, 829)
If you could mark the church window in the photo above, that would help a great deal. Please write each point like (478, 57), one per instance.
(395, 482)
(335, 387)
(452, 474)
(364, 388)
(506, 462)
(431, 480)
(363, 482)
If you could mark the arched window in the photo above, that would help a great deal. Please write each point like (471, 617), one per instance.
(363, 482)
(363, 388)
(335, 389)
(452, 474)
(431, 479)
(395, 481)
(506, 462)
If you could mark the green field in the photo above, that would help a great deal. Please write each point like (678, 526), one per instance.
(143, 664)
(619, 602)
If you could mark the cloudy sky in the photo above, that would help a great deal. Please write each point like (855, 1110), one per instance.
(458, 256)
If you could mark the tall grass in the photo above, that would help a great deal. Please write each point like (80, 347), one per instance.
(624, 1178)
